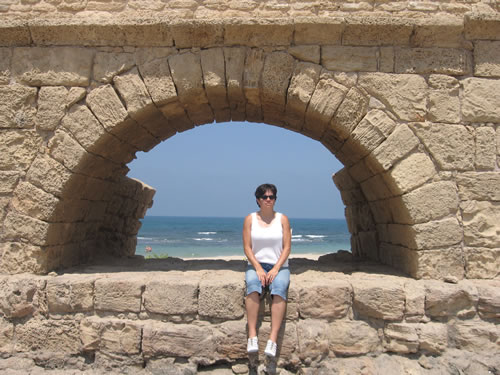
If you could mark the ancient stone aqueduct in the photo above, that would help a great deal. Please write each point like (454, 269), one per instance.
(405, 94)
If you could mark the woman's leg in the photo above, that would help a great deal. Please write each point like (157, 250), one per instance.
(278, 308)
(252, 300)
(279, 288)
(252, 303)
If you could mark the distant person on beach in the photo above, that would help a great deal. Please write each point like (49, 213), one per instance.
(267, 245)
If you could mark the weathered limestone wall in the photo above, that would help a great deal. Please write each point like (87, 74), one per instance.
(409, 107)
(246, 8)
(187, 319)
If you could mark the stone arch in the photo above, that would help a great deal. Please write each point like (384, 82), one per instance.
(76, 201)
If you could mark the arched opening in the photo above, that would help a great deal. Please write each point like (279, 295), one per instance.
(81, 204)
(205, 179)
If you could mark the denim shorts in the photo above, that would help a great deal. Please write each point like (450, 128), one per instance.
(279, 286)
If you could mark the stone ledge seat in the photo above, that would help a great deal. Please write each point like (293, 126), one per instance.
(136, 312)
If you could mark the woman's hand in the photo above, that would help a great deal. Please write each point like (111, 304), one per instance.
(261, 274)
(271, 275)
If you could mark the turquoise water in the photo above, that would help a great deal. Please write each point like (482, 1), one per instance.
(221, 236)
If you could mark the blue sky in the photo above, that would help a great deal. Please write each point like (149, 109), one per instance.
(213, 170)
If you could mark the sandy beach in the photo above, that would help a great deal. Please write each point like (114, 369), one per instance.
(242, 257)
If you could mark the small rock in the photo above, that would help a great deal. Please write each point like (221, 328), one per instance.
(240, 369)
(424, 362)
(52, 273)
(451, 279)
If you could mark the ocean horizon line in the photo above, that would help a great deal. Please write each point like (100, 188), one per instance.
(242, 217)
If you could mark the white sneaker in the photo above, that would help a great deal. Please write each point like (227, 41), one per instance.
(253, 344)
(270, 350)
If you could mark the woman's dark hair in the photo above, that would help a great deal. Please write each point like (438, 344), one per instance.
(262, 189)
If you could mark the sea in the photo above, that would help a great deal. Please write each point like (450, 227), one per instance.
(206, 237)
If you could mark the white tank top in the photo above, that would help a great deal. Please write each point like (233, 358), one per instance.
(267, 243)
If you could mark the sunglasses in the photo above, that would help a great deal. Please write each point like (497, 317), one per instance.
(266, 197)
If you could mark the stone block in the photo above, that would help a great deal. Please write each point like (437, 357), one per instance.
(118, 294)
(479, 186)
(330, 300)
(106, 106)
(450, 260)
(480, 100)
(375, 188)
(447, 300)
(444, 101)
(5, 57)
(474, 336)
(485, 149)
(481, 222)
(433, 234)
(8, 181)
(214, 79)
(171, 296)
(51, 107)
(429, 202)
(134, 93)
(487, 58)
(377, 31)
(452, 146)
(306, 53)
(352, 337)
(120, 337)
(17, 257)
(21, 296)
(401, 338)
(6, 336)
(404, 94)
(234, 60)
(52, 66)
(276, 74)
(481, 26)
(432, 60)
(482, 263)
(258, 33)
(34, 202)
(324, 102)
(202, 33)
(381, 300)
(397, 145)
(371, 131)
(349, 59)
(17, 106)
(254, 63)
(66, 150)
(221, 298)
(302, 85)
(410, 173)
(313, 342)
(49, 336)
(349, 113)
(359, 171)
(386, 60)
(442, 32)
(18, 226)
(489, 300)
(84, 127)
(70, 294)
(48, 173)
(110, 64)
(433, 337)
(322, 31)
(414, 301)
(231, 338)
(178, 340)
